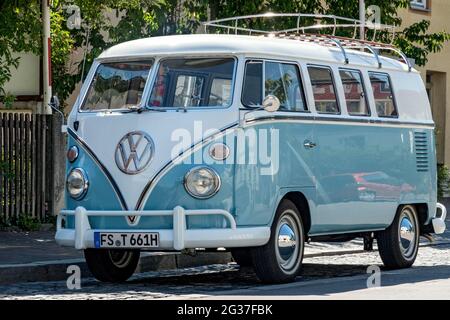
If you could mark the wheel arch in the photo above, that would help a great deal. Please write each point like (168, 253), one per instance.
(300, 201)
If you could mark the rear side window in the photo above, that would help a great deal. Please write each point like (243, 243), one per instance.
(383, 94)
(117, 85)
(355, 95)
(280, 79)
(323, 89)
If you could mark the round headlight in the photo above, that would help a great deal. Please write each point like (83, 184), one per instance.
(202, 182)
(77, 183)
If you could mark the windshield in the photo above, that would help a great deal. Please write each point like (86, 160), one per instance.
(194, 82)
(117, 85)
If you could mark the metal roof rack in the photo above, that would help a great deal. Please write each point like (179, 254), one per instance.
(237, 25)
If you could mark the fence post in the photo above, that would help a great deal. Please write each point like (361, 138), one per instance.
(59, 164)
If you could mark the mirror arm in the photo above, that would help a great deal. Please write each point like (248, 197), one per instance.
(243, 121)
(53, 106)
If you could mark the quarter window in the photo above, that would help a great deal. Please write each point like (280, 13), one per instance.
(280, 79)
(117, 85)
(383, 95)
(323, 89)
(355, 95)
(196, 82)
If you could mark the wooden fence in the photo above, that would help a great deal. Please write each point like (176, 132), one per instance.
(26, 149)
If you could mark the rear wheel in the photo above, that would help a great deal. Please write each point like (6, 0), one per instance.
(109, 265)
(280, 260)
(398, 245)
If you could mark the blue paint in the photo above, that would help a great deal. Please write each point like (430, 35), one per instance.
(100, 195)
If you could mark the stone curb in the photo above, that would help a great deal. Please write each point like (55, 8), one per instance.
(56, 270)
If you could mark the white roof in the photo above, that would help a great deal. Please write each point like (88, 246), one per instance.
(241, 44)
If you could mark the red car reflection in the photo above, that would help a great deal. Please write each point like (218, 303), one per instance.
(380, 186)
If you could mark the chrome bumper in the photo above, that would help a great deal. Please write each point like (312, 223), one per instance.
(178, 238)
(439, 219)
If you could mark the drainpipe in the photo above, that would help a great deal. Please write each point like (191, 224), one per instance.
(362, 18)
(46, 58)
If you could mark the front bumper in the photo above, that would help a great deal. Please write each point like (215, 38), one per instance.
(178, 238)
(438, 221)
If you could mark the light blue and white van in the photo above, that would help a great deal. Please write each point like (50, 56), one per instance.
(252, 143)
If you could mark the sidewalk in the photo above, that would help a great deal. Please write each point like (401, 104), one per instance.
(35, 256)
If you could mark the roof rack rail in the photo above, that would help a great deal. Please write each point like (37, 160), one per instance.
(232, 25)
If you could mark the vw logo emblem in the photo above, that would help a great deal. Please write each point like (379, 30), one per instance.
(134, 152)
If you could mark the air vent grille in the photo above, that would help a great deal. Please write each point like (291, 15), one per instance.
(422, 152)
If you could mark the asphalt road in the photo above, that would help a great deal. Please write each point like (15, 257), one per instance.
(328, 277)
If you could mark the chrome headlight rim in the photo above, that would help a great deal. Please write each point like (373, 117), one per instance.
(85, 184)
(218, 182)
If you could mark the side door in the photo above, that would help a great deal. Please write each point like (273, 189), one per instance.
(348, 149)
(272, 158)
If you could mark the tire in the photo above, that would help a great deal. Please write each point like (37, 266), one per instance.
(242, 256)
(279, 264)
(398, 245)
(112, 265)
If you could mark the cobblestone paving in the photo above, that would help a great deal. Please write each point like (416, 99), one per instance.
(211, 279)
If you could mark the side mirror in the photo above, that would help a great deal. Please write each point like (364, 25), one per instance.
(55, 102)
(271, 103)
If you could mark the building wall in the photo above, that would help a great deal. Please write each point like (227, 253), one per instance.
(25, 84)
(437, 71)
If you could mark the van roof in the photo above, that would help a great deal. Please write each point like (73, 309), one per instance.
(249, 45)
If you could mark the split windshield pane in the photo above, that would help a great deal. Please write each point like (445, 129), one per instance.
(117, 85)
(195, 82)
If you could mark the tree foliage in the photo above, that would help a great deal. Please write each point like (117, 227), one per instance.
(20, 31)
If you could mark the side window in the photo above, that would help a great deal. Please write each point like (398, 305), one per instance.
(384, 97)
(280, 79)
(253, 84)
(283, 81)
(355, 95)
(323, 89)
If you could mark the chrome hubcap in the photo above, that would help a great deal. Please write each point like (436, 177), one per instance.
(407, 233)
(288, 242)
(120, 258)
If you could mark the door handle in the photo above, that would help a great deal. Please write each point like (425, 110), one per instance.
(309, 144)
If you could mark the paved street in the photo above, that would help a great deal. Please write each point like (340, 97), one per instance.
(342, 276)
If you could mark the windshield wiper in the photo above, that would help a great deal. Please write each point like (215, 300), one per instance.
(135, 108)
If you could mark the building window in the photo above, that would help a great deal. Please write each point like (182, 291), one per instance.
(419, 4)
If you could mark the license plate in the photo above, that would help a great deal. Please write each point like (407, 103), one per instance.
(126, 239)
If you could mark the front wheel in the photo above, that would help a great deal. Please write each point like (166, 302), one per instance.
(112, 265)
(280, 260)
(398, 245)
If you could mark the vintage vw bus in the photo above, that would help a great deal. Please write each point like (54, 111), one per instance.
(252, 143)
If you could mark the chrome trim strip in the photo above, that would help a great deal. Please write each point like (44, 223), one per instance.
(105, 171)
(366, 120)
